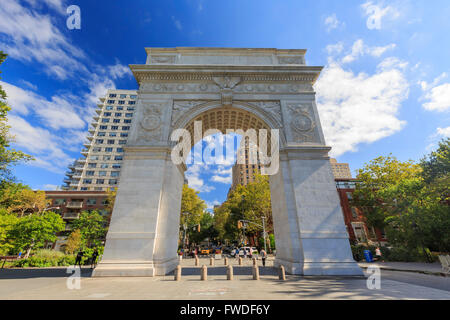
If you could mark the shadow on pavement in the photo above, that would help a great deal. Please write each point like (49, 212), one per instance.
(27, 273)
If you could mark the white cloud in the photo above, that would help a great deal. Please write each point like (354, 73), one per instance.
(220, 179)
(438, 98)
(210, 204)
(333, 49)
(438, 95)
(59, 112)
(359, 49)
(443, 132)
(45, 146)
(192, 174)
(360, 108)
(332, 22)
(50, 187)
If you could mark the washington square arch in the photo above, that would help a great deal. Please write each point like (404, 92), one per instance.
(226, 88)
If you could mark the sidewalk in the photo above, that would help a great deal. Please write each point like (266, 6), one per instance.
(419, 267)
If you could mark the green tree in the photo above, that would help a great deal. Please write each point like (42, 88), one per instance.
(7, 223)
(74, 242)
(383, 187)
(29, 201)
(8, 156)
(92, 227)
(436, 165)
(33, 231)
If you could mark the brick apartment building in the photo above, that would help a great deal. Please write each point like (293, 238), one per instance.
(71, 203)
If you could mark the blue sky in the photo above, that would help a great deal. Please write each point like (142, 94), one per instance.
(385, 86)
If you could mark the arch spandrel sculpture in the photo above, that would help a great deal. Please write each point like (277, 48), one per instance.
(226, 88)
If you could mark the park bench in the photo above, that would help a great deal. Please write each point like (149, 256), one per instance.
(8, 258)
(445, 263)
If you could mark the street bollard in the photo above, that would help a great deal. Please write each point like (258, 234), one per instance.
(197, 262)
(255, 272)
(225, 261)
(240, 261)
(211, 261)
(204, 273)
(180, 258)
(230, 272)
(281, 273)
(178, 273)
(255, 263)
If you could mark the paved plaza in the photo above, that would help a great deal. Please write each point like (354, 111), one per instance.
(51, 283)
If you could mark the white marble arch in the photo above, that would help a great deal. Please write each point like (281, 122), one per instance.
(235, 89)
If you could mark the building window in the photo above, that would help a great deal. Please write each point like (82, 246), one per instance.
(124, 134)
(96, 149)
(90, 173)
(121, 102)
(110, 141)
(112, 181)
(119, 149)
(102, 173)
(133, 96)
(116, 120)
(108, 149)
(111, 101)
(114, 127)
(92, 165)
(107, 114)
(127, 121)
(118, 158)
(93, 158)
(130, 108)
(126, 128)
(119, 108)
(59, 201)
(105, 120)
(109, 107)
(112, 95)
(123, 96)
(101, 134)
(128, 115)
(349, 195)
(91, 201)
(118, 114)
(104, 165)
(103, 127)
(87, 181)
(99, 141)
(354, 212)
(106, 158)
(116, 166)
(82, 189)
(115, 173)
(122, 141)
(131, 102)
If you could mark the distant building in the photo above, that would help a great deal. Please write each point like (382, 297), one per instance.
(354, 217)
(99, 168)
(71, 203)
(246, 166)
(340, 170)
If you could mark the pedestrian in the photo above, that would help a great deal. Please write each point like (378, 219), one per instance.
(94, 258)
(263, 254)
(236, 253)
(79, 258)
(378, 254)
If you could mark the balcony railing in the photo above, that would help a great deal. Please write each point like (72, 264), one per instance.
(75, 205)
(71, 215)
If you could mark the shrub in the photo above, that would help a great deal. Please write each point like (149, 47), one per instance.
(46, 258)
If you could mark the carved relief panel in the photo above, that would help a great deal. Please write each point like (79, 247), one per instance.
(300, 123)
(150, 123)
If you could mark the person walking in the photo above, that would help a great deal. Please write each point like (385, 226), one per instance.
(79, 257)
(263, 254)
(94, 258)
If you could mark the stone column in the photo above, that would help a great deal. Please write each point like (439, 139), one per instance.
(143, 234)
(311, 238)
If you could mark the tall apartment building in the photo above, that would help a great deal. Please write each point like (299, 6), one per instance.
(99, 168)
(244, 172)
(340, 170)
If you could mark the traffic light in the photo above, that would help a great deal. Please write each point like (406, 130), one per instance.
(239, 224)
